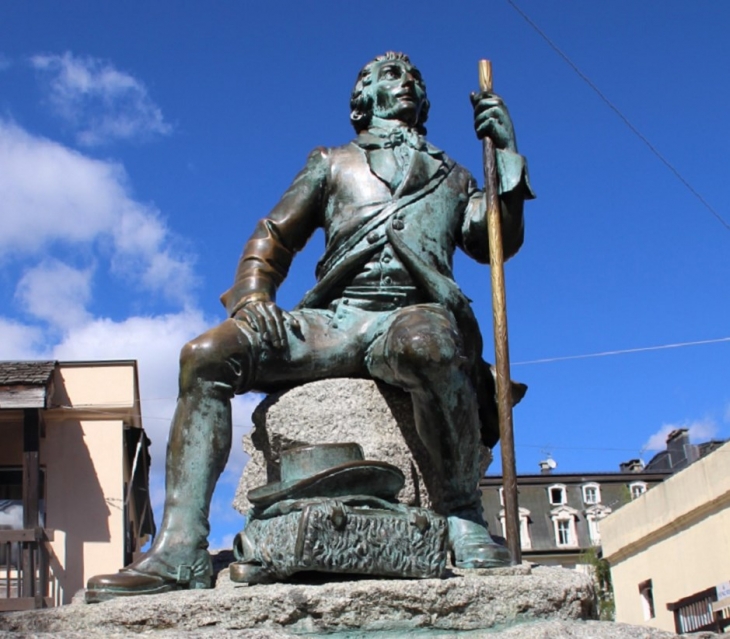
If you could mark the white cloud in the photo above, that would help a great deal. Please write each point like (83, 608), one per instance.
(50, 194)
(20, 342)
(56, 293)
(699, 430)
(100, 102)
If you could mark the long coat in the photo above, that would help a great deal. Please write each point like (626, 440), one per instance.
(355, 193)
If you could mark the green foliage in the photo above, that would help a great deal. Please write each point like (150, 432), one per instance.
(601, 572)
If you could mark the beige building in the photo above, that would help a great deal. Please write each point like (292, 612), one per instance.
(74, 467)
(669, 550)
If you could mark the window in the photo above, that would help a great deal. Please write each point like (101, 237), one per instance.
(591, 494)
(637, 488)
(563, 532)
(556, 494)
(525, 540)
(564, 519)
(594, 514)
(646, 591)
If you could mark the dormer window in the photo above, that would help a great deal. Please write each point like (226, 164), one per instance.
(525, 540)
(557, 494)
(591, 494)
(637, 488)
(564, 519)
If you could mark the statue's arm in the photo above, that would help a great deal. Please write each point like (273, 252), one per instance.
(492, 119)
(269, 251)
(514, 189)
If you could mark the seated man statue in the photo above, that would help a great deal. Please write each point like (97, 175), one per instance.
(385, 306)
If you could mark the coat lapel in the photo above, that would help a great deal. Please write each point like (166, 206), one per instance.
(423, 165)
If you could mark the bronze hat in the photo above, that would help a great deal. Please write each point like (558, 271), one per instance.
(329, 470)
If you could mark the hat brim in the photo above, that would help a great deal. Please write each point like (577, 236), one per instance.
(376, 479)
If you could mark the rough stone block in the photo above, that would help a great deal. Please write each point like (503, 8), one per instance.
(376, 416)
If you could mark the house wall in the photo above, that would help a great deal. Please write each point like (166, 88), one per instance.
(85, 465)
(677, 535)
(84, 489)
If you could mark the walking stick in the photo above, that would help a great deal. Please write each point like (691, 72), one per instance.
(501, 344)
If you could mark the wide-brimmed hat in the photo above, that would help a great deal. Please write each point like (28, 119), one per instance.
(329, 470)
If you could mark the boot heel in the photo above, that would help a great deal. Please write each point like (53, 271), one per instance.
(200, 582)
(203, 580)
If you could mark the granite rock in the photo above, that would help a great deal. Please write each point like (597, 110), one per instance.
(467, 600)
(523, 602)
(376, 416)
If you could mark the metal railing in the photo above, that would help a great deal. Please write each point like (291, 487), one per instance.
(24, 569)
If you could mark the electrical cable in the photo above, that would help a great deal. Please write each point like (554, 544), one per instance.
(643, 349)
(616, 110)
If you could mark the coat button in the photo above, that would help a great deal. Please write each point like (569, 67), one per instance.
(373, 237)
(398, 225)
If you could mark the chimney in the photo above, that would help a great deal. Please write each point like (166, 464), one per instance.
(547, 466)
(681, 452)
(632, 466)
(677, 439)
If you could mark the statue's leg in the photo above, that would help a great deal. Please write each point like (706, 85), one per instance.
(421, 351)
(212, 367)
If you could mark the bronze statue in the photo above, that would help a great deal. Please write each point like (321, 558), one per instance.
(393, 208)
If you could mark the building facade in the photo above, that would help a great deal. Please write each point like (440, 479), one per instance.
(74, 464)
(561, 513)
(669, 550)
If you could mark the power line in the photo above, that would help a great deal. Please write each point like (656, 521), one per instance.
(616, 110)
(621, 352)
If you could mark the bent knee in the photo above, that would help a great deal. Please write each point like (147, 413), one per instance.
(424, 339)
(206, 356)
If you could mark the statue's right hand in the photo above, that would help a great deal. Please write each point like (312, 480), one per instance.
(269, 321)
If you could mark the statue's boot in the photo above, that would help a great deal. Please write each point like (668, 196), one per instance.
(197, 451)
(156, 572)
(471, 544)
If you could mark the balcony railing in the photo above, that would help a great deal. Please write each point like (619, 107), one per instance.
(700, 612)
(24, 569)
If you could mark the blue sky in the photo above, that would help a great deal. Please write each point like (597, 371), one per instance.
(140, 142)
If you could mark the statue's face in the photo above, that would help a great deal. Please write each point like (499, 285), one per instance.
(397, 94)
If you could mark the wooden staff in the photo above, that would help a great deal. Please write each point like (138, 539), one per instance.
(501, 343)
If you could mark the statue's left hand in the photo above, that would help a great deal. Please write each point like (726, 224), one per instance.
(492, 119)
(269, 321)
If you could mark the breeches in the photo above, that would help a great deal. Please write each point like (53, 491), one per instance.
(399, 347)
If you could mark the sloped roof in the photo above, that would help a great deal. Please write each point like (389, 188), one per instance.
(25, 384)
(26, 373)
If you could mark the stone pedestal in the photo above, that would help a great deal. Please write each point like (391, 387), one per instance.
(376, 416)
(507, 603)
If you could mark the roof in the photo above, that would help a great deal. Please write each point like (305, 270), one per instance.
(26, 373)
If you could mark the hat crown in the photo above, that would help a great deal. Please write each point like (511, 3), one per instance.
(304, 462)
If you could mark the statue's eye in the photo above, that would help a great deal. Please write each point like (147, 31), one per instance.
(389, 73)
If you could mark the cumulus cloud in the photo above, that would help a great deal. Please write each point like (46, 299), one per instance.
(50, 194)
(699, 430)
(20, 341)
(100, 102)
(56, 293)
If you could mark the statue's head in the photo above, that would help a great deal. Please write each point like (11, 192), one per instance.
(392, 88)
